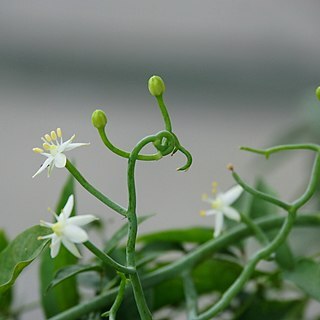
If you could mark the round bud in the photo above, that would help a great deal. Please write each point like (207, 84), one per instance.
(99, 119)
(318, 93)
(156, 86)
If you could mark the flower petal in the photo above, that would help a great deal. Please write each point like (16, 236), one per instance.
(210, 212)
(75, 234)
(66, 211)
(231, 195)
(64, 145)
(71, 247)
(218, 224)
(55, 246)
(82, 220)
(72, 146)
(231, 213)
(60, 160)
(44, 166)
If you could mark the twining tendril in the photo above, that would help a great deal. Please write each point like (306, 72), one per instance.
(125, 154)
(162, 144)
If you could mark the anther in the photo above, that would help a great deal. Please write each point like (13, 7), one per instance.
(53, 135)
(46, 146)
(37, 150)
(204, 196)
(202, 213)
(59, 132)
(230, 167)
(48, 138)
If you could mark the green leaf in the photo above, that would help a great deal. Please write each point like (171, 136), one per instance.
(70, 271)
(66, 294)
(272, 309)
(19, 254)
(3, 240)
(189, 235)
(151, 251)
(116, 238)
(306, 276)
(284, 257)
(211, 275)
(6, 298)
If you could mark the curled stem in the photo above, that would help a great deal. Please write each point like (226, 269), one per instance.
(143, 309)
(189, 159)
(125, 154)
(96, 193)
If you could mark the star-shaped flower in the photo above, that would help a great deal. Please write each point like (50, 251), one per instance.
(54, 149)
(66, 230)
(221, 206)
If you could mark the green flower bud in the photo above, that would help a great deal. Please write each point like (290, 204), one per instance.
(318, 93)
(156, 86)
(99, 119)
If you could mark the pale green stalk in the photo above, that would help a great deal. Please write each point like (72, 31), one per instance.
(107, 259)
(190, 294)
(96, 193)
(112, 313)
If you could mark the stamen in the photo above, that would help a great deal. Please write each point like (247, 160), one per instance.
(37, 150)
(202, 213)
(214, 187)
(46, 146)
(48, 138)
(53, 213)
(204, 196)
(45, 224)
(59, 132)
(53, 135)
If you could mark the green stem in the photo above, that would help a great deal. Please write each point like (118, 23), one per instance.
(143, 309)
(188, 156)
(262, 238)
(312, 186)
(234, 235)
(190, 294)
(264, 253)
(107, 259)
(96, 193)
(164, 113)
(260, 194)
(117, 303)
(269, 151)
(125, 154)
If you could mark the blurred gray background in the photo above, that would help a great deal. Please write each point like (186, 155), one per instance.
(237, 73)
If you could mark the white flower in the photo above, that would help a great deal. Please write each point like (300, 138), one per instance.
(221, 206)
(67, 230)
(55, 147)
